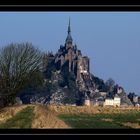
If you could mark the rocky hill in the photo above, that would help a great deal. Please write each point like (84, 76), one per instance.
(68, 80)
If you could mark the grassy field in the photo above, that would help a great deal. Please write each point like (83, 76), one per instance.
(22, 119)
(128, 120)
(41, 116)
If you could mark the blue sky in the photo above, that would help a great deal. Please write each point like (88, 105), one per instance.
(110, 39)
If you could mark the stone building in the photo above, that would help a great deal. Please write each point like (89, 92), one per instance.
(87, 101)
(135, 99)
(108, 102)
(113, 102)
(70, 55)
(119, 90)
(117, 101)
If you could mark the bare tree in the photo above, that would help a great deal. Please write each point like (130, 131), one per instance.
(18, 63)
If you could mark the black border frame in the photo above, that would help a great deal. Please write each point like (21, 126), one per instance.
(70, 8)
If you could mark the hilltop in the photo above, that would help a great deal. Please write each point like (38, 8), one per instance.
(30, 76)
(68, 80)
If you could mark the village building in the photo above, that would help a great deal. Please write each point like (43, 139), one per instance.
(117, 101)
(137, 105)
(96, 90)
(108, 102)
(113, 102)
(119, 90)
(87, 102)
(103, 93)
(135, 99)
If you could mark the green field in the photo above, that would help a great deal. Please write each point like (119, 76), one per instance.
(72, 117)
(22, 119)
(102, 120)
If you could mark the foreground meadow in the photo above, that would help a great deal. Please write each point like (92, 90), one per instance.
(98, 117)
(41, 116)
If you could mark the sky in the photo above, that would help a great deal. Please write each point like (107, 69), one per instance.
(110, 39)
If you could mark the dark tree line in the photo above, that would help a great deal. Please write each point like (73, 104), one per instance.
(19, 65)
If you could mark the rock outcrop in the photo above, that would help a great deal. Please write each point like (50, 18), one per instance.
(67, 77)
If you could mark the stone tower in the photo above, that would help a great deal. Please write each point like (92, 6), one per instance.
(72, 57)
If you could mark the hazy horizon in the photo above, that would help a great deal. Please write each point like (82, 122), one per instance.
(110, 39)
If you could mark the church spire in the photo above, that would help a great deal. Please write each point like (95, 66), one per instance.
(69, 38)
(69, 30)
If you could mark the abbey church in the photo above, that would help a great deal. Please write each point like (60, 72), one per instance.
(72, 57)
(69, 56)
